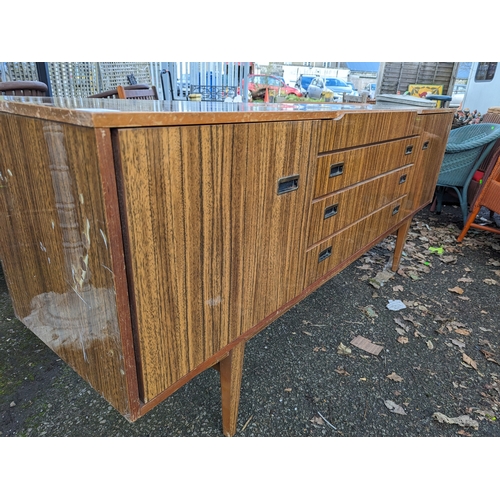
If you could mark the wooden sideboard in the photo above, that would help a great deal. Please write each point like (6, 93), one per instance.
(145, 242)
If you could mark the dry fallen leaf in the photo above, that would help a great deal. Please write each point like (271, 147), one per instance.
(458, 343)
(370, 312)
(397, 288)
(489, 356)
(317, 421)
(288, 389)
(456, 289)
(462, 331)
(341, 371)
(462, 420)
(448, 259)
(402, 340)
(489, 281)
(394, 376)
(393, 407)
(402, 324)
(317, 349)
(430, 345)
(466, 280)
(308, 333)
(469, 361)
(343, 350)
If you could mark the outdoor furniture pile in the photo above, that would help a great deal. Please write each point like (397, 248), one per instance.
(466, 150)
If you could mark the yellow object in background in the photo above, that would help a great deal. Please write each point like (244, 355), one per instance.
(422, 90)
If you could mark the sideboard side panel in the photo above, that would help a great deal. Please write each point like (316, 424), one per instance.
(433, 130)
(55, 248)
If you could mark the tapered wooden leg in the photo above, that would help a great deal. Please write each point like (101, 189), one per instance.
(400, 243)
(231, 369)
(469, 221)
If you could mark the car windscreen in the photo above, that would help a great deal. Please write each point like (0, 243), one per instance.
(335, 82)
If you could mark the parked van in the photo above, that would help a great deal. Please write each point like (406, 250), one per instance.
(483, 87)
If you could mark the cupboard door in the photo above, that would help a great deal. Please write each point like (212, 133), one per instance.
(215, 218)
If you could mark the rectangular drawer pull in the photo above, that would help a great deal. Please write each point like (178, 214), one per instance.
(396, 210)
(336, 169)
(425, 145)
(325, 254)
(331, 211)
(287, 184)
(409, 150)
(402, 179)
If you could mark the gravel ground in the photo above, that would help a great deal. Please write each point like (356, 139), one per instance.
(302, 376)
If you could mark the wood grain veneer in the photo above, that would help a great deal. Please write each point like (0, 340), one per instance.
(351, 239)
(354, 129)
(55, 251)
(213, 248)
(362, 163)
(354, 203)
(433, 130)
(147, 244)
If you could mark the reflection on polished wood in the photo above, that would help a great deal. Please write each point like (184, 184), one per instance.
(145, 242)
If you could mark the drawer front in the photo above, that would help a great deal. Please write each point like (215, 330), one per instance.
(324, 257)
(357, 129)
(331, 214)
(339, 170)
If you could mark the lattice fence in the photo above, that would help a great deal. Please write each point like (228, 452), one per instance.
(74, 79)
(81, 79)
(12, 71)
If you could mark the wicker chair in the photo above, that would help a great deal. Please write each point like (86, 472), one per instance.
(466, 150)
(23, 88)
(113, 93)
(149, 94)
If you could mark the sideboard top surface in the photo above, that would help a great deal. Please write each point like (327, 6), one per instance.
(136, 113)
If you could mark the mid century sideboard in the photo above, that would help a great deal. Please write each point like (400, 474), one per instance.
(145, 242)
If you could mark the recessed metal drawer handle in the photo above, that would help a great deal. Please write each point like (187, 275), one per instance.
(331, 211)
(325, 254)
(402, 179)
(425, 145)
(287, 184)
(409, 150)
(396, 210)
(336, 169)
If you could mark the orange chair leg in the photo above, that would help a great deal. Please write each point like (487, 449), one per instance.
(467, 225)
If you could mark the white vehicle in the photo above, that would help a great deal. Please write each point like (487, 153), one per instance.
(320, 85)
(483, 87)
(458, 95)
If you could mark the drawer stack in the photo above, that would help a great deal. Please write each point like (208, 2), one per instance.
(363, 173)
